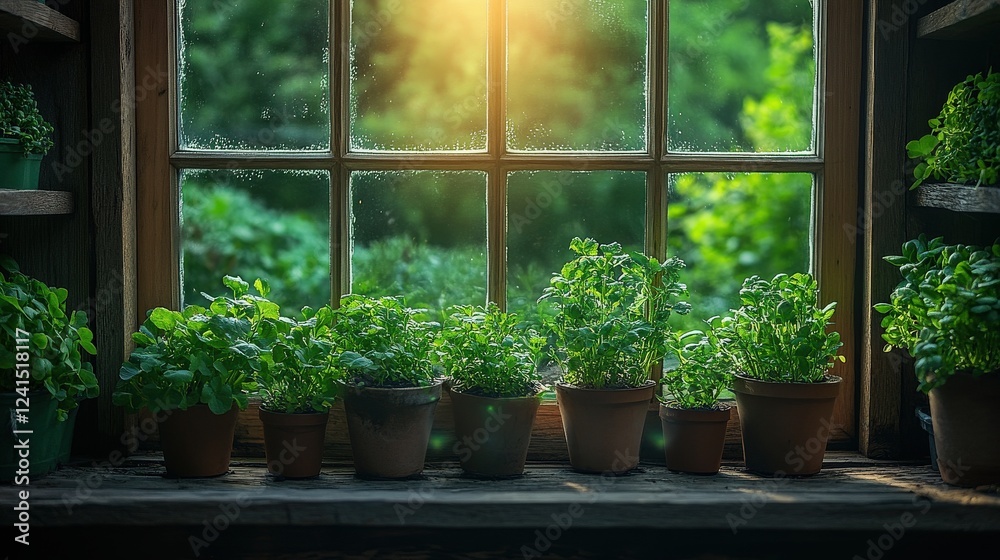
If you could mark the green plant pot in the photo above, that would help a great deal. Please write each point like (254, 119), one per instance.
(17, 171)
(44, 443)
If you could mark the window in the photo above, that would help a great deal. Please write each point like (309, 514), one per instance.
(448, 150)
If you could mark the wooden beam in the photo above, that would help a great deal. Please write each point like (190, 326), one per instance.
(959, 198)
(883, 227)
(35, 203)
(961, 19)
(28, 20)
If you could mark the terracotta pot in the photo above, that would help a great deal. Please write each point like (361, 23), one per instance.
(293, 443)
(390, 428)
(963, 413)
(603, 427)
(785, 425)
(693, 439)
(197, 442)
(492, 433)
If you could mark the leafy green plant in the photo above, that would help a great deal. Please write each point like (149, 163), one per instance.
(779, 333)
(56, 341)
(946, 310)
(382, 343)
(21, 121)
(298, 372)
(199, 355)
(702, 376)
(964, 144)
(487, 352)
(611, 314)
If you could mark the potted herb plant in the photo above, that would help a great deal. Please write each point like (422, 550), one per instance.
(43, 375)
(193, 370)
(963, 146)
(391, 386)
(781, 347)
(494, 385)
(609, 327)
(946, 313)
(24, 137)
(693, 418)
(297, 383)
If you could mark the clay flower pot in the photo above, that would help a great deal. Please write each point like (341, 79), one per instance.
(390, 428)
(493, 433)
(293, 443)
(603, 427)
(963, 413)
(197, 442)
(694, 438)
(785, 425)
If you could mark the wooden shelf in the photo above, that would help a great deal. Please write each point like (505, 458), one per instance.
(34, 21)
(35, 203)
(963, 20)
(959, 198)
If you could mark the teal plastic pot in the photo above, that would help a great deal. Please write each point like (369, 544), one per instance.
(42, 446)
(18, 171)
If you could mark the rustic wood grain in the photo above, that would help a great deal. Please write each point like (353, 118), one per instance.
(961, 19)
(113, 195)
(959, 198)
(35, 203)
(848, 498)
(836, 250)
(36, 21)
(884, 228)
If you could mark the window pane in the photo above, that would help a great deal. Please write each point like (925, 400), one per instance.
(742, 76)
(254, 75)
(420, 234)
(546, 209)
(577, 74)
(729, 227)
(257, 224)
(418, 75)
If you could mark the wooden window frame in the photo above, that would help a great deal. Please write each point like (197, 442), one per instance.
(834, 165)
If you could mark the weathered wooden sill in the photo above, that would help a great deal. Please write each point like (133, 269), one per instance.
(852, 500)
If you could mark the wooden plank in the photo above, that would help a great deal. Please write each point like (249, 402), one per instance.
(883, 230)
(961, 19)
(35, 203)
(850, 498)
(28, 20)
(113, 195)
(837, 197)
(157, 259)
(959, 198)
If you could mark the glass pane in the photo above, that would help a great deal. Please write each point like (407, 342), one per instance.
(577, 75)
(742, 76)
(420, 234)
(546, 209)
(729, 227)
(418, 75)
(257, 224)
(254, 75)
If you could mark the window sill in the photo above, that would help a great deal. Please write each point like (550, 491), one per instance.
(851, 493)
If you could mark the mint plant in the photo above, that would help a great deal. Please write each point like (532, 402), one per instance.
(488, 353)
(57, 340)
(703, 375)
(611, 310)
(964, 143)
(946, 310)
(20, 119)
(298, 371)
(199, 355)
(382, 343)
(780, 333)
